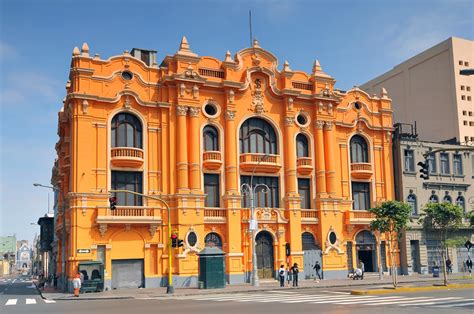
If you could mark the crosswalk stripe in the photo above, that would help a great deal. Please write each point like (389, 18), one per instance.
(454, 305)
(330, 300)
(49, 301)
(362, 299)
(372, 300)
(30, 301)
(11, 302)
(429, 301)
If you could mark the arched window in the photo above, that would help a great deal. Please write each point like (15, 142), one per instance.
(258, 137)
(126, 131)
(301, 146)
(448, 199)
(433, 199)
(365, 237)
(460, 202)
(308, 242)
(210, 138)
(213, 240)
(359, 149)
(411, 200)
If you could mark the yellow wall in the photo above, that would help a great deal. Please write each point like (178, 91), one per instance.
(169, 101)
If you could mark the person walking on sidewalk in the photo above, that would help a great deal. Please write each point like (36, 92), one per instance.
(295, 272)
(289, 277)
(469, 265)
(76, 282)
(362, 268)
(317, 267)
(449, 266)
(281, 275)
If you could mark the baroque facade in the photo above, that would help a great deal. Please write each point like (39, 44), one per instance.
(193, 131)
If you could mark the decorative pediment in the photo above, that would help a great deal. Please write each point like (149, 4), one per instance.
(270, 215)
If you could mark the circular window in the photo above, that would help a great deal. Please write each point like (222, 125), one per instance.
(192, 238)
(210, 109)
(302, 119)
(126, 75)
(332, 238)
(357, 105)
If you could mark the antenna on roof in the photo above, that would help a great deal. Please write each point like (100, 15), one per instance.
(250, 27)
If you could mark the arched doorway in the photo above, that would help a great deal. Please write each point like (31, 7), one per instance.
(311, 254)
(264, 250)
(366, 246)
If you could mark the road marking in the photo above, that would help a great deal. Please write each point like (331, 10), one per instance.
(337, 292)
(49, 301)
(13, 280)
(11, 302)
(412, 301)
(431, 301)
(454, 305)
(283, 292)
(372, 300)
(30, 301)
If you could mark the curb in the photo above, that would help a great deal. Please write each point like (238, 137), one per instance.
(412, 289)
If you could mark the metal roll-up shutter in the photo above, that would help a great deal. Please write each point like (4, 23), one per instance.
(127, 273)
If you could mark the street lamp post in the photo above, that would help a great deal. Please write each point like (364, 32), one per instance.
(253, 224)
(170, 288)
(63, 241)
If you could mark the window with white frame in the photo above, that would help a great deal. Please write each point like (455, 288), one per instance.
(411, 200)
(444, 161)
(457, 164)
(409, 160)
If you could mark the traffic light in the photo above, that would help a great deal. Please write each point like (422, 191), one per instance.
(113, 203)
(180, 243)
(424, 170)
(174, 240)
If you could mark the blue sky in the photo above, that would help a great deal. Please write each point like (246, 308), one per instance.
(354, 41)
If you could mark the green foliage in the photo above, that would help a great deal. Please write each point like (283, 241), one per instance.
(442, 216)
(455, 242)
(391, 216)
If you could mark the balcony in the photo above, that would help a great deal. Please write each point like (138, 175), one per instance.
(309, 216)
(361, 170)
(304, 165)
(129, 215)
(250, 161)
(127, 157)
(215, 215)
(212, 160)
(358, 217)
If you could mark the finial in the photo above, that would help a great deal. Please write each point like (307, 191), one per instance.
(228, 58)
(384, 93)
(75, 51)
(317, 67)
(184, 48)
(286, 66)
(85, 49)
(256, 44)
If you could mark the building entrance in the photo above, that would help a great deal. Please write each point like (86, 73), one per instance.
(264, 250)
(366, 252)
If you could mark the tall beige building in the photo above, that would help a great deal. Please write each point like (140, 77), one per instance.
(429, 89)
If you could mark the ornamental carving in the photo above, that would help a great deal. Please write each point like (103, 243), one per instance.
(328, 125)
(231, 95)
(103, 229)
(319, 124)
(195, 91)
(85, 106)
(257, 97)
(127, 104)
(193, 111)
(289, 121)
(152, 230)
(230, 115)
(181, 110)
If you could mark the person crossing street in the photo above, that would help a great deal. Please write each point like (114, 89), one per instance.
(317, 267)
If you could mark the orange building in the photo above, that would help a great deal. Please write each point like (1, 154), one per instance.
(194, 131)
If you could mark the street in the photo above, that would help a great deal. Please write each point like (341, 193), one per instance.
(19, 296)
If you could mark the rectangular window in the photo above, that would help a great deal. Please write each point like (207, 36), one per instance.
(361, 195)
(470, 113)
(472, 138)
(468, 88)
(431, 164)
(444, 159)
(471, 123)
(460, 62)
(466, 63)
(468, 98)
(464, 122)
(457, 164)
(409, 161)
(261, 199)
(305, 193)
(464, 113)
(101, 254)
(463, 97)
(462, 87)
(466, 139)
(211, 188)
(131, 181)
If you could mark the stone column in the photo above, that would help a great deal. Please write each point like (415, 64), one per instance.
(330, 157)
(181, 149)
(290, 156)
(194, 166)
(230, 153)
(320, 164)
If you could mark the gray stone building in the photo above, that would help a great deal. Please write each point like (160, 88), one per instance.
(451, 179)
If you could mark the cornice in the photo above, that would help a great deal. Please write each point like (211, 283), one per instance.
(369, 126)
(160, 104)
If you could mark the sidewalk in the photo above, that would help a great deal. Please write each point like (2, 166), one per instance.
(265, 285)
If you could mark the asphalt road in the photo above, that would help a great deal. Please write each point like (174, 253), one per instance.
(277, 301)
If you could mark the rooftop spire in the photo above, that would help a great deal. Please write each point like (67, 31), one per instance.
(184, 48)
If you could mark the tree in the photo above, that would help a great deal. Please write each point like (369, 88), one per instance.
(391, 218)
(441, 218)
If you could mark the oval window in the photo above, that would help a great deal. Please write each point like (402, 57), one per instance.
(332, 238)
(192, 238)
(302, 119)
(210, 109)
(126, 75)
(357, 105)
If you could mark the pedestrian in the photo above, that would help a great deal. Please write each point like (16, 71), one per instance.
(295, 272)
(449, 266)
(281, 275)
(289, 277)
(469, 265)
(317, 267)
(362, 268)
(76, 282)
(55, 281)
